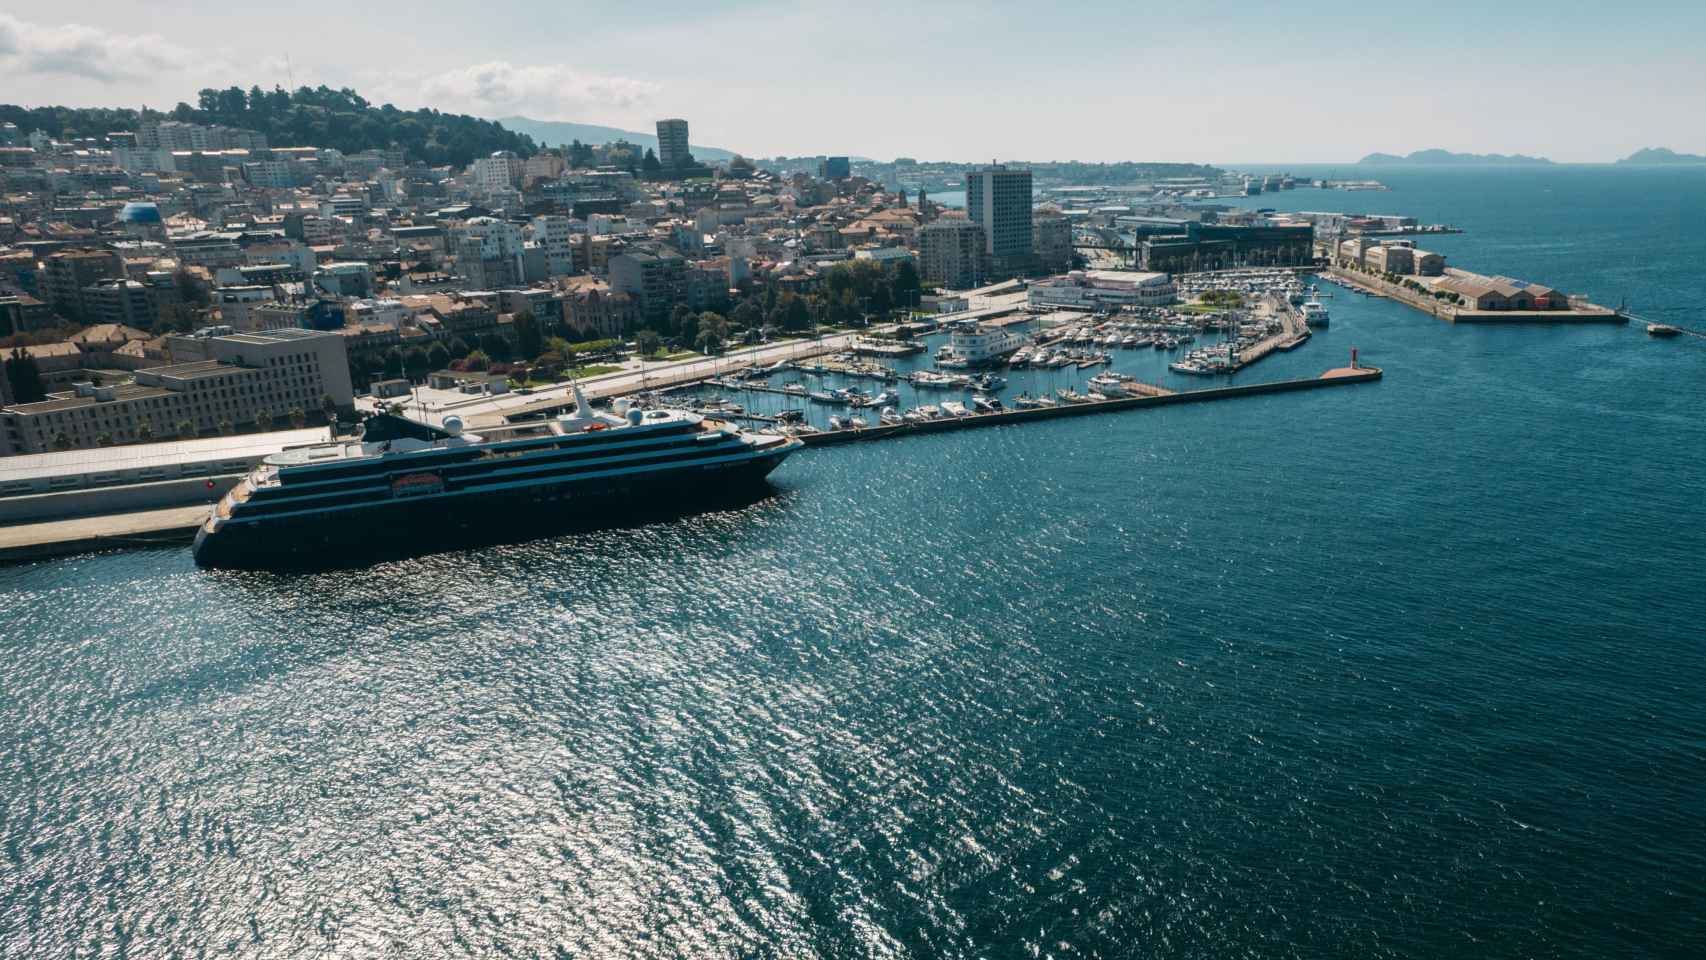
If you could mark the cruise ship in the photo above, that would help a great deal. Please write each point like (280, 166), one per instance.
(971, 344)
(409, 487)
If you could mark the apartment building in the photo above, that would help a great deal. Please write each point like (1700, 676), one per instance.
(67, 275)
(951, 253)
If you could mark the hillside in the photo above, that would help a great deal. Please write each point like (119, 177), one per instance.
(1661, 155)
(1446, 157)
(319, 117)
(555, 133)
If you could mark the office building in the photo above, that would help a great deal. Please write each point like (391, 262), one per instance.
(835, 168)
(220, 380)
(672, 144)
(998, 199)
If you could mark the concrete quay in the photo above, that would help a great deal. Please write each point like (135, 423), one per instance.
(1578, 313)
(1340, 376)
(56, 538)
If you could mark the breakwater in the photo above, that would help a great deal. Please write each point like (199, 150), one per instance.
(1343, 376)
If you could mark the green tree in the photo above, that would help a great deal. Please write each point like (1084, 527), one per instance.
(495, 346)
(548, 365)
(263, 420)
(61, 442)
(25, 377)
(678, 317)
(905, 288)
(713, 333)
(881, 300)
(747, 314)
(185, 428)
(103, 439)
(298, 417)
(476, 360)
(438, 357)
(393, 363)
(144, 430)
(328, 407)
(226, 427)
(529, 338)
(415, 364)
(458, 348)
(650, 165)
(648, 343)
(795, 315)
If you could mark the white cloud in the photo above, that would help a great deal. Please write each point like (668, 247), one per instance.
(500, 88)
(76, 50)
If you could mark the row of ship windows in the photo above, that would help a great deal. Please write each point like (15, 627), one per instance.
(291, 504)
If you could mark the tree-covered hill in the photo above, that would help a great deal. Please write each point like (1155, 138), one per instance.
(308, 116)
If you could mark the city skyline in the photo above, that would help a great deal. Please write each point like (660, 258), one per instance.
(1227, 83)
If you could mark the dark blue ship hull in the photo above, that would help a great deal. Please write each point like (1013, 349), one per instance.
(412, 526)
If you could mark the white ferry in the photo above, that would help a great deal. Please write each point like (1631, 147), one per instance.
(972, 344)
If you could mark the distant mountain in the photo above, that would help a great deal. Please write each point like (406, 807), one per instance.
(1654, 155)
(555, 133)
(1444, 157)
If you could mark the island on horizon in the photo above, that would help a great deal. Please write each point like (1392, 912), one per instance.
(1442, 157)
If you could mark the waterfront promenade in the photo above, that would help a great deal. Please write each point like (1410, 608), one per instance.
(637, 376)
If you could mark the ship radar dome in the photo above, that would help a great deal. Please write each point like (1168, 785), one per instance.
(453, 426)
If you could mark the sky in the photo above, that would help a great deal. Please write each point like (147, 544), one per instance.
(1215, 81)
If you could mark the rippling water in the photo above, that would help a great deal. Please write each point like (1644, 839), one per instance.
(1407, 669)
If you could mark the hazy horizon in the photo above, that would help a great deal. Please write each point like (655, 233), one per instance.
(954, 80)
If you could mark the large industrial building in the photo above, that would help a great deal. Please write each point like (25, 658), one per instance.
(1207, 246)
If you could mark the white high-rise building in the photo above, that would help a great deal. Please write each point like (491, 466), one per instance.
(497, 173)
(555, 234)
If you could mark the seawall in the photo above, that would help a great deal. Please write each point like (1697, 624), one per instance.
(1344, 376)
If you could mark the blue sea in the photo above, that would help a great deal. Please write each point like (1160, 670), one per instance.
(1405, 669)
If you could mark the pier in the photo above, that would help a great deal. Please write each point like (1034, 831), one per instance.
(1661, 328)
(1341, 376)
(1582, 312)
